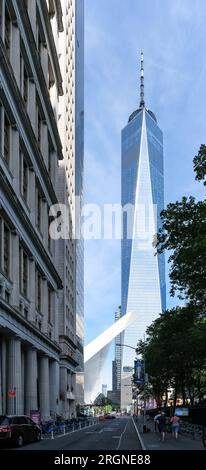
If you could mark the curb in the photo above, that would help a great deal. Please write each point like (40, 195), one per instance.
(139, 437)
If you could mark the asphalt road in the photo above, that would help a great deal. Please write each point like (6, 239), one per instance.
(113, 434)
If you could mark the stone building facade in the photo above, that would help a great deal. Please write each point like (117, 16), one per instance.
(37, 331)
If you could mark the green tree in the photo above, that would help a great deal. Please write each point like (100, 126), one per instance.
(183, 233)
(175, 354)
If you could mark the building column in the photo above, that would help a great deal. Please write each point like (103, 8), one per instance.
(31, 380)
(63, 390)
(14, 376)
(44, 388)
(54, 387)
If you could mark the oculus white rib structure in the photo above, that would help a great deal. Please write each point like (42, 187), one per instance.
(95, 354)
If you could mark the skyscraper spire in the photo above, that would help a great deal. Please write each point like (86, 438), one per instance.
(142, 103)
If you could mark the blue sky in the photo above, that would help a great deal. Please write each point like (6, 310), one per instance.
(172, 35)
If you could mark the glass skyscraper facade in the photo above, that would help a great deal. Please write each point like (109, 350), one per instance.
(143, 273)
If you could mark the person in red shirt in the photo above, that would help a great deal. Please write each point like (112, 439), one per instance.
(175, 421)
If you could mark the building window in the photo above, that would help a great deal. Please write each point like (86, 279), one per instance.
(24, 80)
(24, 176)
(51, 79)
(50, 155)
(49, 305)
(38, 291)
(25, 4)
(25, 180)
(7, 31)
(39, 124)
(7, 296)
(25, 85)
(51, 8)
(49, 238)
(7, 130)
(39, 43)
(23, 272)
(26, 313)
(6, 250)
(38, 209)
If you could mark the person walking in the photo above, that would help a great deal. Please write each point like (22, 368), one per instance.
(162, 424)
(175, 421)
(156, 420)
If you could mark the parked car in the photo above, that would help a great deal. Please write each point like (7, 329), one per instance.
(18, 429)
(101, 417)
(109, 416)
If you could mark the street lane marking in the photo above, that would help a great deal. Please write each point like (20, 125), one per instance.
(110, 429)
(121, 436)
(94, 432)
(139, 437)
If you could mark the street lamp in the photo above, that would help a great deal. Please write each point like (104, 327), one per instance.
(131, 347)
(144, 378)
(127, 346)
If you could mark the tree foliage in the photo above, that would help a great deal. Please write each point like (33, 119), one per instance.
(175, 349)
(175, 354)
(183, 233)
(199, 163)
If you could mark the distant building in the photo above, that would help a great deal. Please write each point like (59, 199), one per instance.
(143, 273)
(104, 390)
(116, 364)
(113, 397)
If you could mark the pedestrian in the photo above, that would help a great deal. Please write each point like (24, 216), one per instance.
(156, 420)
(162, 424)
(175, 421)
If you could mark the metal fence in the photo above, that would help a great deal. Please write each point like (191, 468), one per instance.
(52, 430)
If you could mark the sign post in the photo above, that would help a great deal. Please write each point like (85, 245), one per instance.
(12, 394)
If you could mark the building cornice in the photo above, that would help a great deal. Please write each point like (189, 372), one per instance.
(68, 359)
(19, 103)
(13, 199)
(32, 328)
(66, 339)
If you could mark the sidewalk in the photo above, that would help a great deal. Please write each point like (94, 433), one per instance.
(152, 439)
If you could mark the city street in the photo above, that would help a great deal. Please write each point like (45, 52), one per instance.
(113, 434)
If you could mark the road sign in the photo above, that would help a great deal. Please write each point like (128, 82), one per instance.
(35, 415)
(12, 393)
(138, 372)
